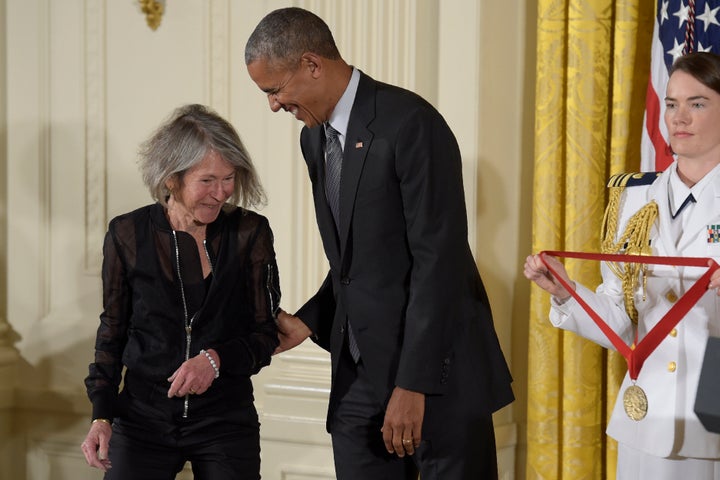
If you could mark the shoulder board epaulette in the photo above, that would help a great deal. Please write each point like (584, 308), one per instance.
(632, 179)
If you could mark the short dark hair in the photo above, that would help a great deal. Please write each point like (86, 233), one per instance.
(703, 66)
(183, 140)
(284, 35)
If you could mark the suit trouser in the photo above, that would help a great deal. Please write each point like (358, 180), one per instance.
(454, 446)
(219, 447)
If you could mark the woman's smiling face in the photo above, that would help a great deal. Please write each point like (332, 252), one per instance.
(205, 188)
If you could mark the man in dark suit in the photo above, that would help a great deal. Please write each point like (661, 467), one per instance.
(417, 369)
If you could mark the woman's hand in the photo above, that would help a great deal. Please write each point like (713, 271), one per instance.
(714, 280)
(194, 376)
(96, 443)
(536, 271)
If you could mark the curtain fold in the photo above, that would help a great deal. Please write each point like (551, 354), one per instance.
(593, 63)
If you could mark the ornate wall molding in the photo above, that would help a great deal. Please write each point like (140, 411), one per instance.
(220, 56)
(292, 472)
(95, 136)
(378, 35)
(44, 159)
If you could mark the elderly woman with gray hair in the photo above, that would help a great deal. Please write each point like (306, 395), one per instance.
(190, 292)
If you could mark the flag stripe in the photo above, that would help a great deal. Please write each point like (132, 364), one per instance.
(661, 158)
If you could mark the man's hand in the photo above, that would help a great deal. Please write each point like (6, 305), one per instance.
(291, 331)
(402, 428)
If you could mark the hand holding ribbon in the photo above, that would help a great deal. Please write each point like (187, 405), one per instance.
(638, 353)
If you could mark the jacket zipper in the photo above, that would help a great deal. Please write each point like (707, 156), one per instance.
(188, 322)
(271, 290)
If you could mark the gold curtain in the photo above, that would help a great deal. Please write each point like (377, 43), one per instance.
(592, 72)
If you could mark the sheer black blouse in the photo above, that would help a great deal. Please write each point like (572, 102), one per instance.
(153, 288)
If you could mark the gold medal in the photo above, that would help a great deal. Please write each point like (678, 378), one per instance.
(635, 402)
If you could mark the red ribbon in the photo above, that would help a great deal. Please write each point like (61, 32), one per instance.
(636, 356)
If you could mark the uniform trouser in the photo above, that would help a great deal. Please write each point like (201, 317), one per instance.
(455, 446)
(221, 447)
(636, 465)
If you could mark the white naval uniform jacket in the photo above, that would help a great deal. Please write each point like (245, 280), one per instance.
(670, 375)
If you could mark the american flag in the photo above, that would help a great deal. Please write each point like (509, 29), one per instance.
(681, 26)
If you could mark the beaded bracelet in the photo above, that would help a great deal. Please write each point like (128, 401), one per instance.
(212, 362)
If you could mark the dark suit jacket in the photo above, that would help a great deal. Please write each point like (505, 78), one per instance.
(401, 269)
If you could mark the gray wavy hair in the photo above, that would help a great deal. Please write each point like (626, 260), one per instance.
(183, 140)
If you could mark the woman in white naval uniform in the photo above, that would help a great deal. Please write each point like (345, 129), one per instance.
(669, 442)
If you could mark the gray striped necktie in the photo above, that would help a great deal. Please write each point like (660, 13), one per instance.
(333, 169)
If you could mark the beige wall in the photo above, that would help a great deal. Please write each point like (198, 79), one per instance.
(83, 82)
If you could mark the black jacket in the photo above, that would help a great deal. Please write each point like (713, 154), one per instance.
(147, 270)
(401, 269)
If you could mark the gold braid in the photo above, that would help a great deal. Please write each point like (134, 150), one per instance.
(635, 240)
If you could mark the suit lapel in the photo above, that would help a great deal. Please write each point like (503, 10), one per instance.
(357, 144)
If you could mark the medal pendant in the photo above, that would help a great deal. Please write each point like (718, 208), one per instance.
(635, 402)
